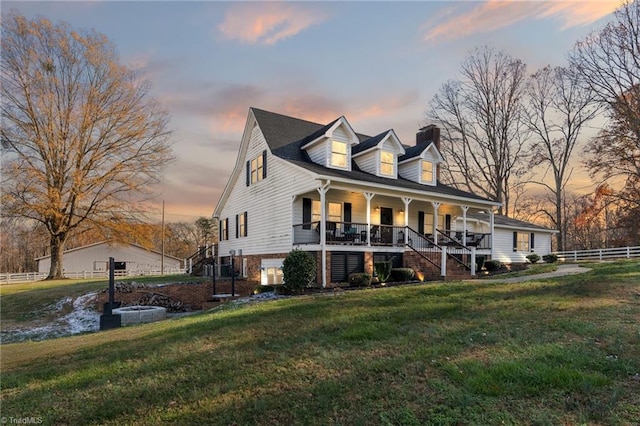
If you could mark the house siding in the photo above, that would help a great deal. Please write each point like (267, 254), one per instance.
(368, 162)
(502, 249)
(410, 170)
(318, 153)
(267, 203)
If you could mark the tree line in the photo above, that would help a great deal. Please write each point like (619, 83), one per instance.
(84, 143)
(506, 130)
(25, 241)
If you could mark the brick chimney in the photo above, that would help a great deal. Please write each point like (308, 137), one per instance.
(430, 133)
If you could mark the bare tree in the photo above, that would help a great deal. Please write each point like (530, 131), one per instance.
(81, 137)
(608, 62)
(484, 136)
(558, 109)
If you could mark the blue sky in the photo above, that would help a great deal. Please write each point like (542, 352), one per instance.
(377, 63)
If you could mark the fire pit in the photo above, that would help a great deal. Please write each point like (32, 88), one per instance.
(140, 314)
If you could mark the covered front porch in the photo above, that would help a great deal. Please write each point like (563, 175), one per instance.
(337, 216)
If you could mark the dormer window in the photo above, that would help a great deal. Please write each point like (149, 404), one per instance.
(338, 154)
(387, 163)
(427, 174)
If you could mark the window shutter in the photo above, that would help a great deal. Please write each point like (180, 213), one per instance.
(347, 213)
(246, 229)
(531, 241)
(420, 223)
(264, 164)
(248, 172)
(515, 241)
(237, 226)
(306, 213)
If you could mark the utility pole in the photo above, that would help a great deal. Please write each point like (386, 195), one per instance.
(162, 244)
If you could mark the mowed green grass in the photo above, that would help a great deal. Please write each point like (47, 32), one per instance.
(561, 351)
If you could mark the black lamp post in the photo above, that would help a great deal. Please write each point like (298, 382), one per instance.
(108, 319)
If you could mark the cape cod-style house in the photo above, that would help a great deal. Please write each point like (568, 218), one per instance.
(351, 200)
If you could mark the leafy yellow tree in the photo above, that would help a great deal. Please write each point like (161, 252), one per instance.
(82, 140)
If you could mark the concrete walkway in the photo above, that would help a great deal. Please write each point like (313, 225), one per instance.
(560, 272)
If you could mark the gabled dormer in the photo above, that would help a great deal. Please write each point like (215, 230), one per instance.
(379, 155)
(420, 162)
(331, 145)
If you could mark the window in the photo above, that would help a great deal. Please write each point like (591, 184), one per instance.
(387, 163)
(335, 212)
(224, 229)
(241, 225)
(274, 275)
(271, 271)
(338, 154)
(315, 211)
(427, 171)
(257, 169)
(521, 241)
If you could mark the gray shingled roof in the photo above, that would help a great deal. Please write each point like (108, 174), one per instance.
(507, 221)
(368, 143)
(286, 135)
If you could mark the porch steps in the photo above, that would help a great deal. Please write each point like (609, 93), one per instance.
(430, 271)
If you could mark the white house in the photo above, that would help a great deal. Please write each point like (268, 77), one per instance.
(350, 200)
(513, 240)
(129, 259)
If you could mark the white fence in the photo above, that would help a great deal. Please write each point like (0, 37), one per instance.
(599, 254)
(36, 276)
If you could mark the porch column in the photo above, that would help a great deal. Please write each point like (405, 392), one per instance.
(323, 230)
(473, 261)
(406, 202)
(491, 225)
(436, 206)
(464, 225)
(368, 196)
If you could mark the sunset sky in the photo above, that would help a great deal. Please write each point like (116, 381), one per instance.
(377, 63)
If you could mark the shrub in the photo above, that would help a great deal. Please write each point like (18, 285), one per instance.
(383, 270)
(298, 270)
(277, 289)
(402, 274)
(359, 279)
(262, 289)
(492, 265)
(533, 258)
(550, 258)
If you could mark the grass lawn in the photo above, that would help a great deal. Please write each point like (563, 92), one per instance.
(561, 351)
(34, 302)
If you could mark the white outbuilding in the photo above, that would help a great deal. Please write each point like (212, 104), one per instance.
(130, 259)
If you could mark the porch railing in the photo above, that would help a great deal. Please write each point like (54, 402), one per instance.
(349, 233)
(472, 239)
(352, 233)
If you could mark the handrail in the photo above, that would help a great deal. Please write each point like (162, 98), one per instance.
(421, 245)
(457, 246)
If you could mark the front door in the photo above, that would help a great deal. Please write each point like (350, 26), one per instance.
(386, 220)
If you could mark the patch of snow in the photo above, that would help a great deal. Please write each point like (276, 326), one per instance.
(81, 319)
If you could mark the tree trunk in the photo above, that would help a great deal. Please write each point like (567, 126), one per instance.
(57, 247)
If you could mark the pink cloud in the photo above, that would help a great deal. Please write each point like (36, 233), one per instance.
(267, 23)
(459, 22)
